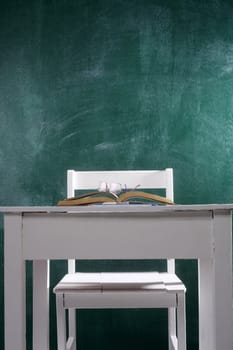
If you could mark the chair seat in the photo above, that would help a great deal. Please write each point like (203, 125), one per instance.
(119, 290)
(125, 281)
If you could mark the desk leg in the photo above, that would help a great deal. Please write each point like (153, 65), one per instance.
(40, 304)
(215, 290)
(14, 270)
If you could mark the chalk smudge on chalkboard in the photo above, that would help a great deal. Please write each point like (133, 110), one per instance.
(97, 71)
(155, 37)
(69, 136)
(106, 146)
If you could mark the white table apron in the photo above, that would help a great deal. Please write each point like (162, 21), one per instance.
(200, 232)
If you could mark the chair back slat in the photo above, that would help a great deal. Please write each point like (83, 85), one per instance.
(145, 179)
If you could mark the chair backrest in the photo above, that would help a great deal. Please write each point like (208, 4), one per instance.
(149, 179)
(146, 179)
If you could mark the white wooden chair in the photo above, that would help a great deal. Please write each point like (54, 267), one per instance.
(121, 290)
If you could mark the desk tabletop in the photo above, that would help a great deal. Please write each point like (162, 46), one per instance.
(118, 208)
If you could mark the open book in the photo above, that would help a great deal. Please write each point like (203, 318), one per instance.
(97, 197)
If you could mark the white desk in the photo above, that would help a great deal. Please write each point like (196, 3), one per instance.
(200, 232)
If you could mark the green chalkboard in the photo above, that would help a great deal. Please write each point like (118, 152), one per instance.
(113, 84)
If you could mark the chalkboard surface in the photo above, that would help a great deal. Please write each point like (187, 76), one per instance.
(105, 85)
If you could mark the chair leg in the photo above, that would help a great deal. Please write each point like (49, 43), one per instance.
(181, 322)
(72, 327)
(61, 322)
(71, 345)
(172, 328)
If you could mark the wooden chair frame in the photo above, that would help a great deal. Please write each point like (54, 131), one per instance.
(174, 300)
